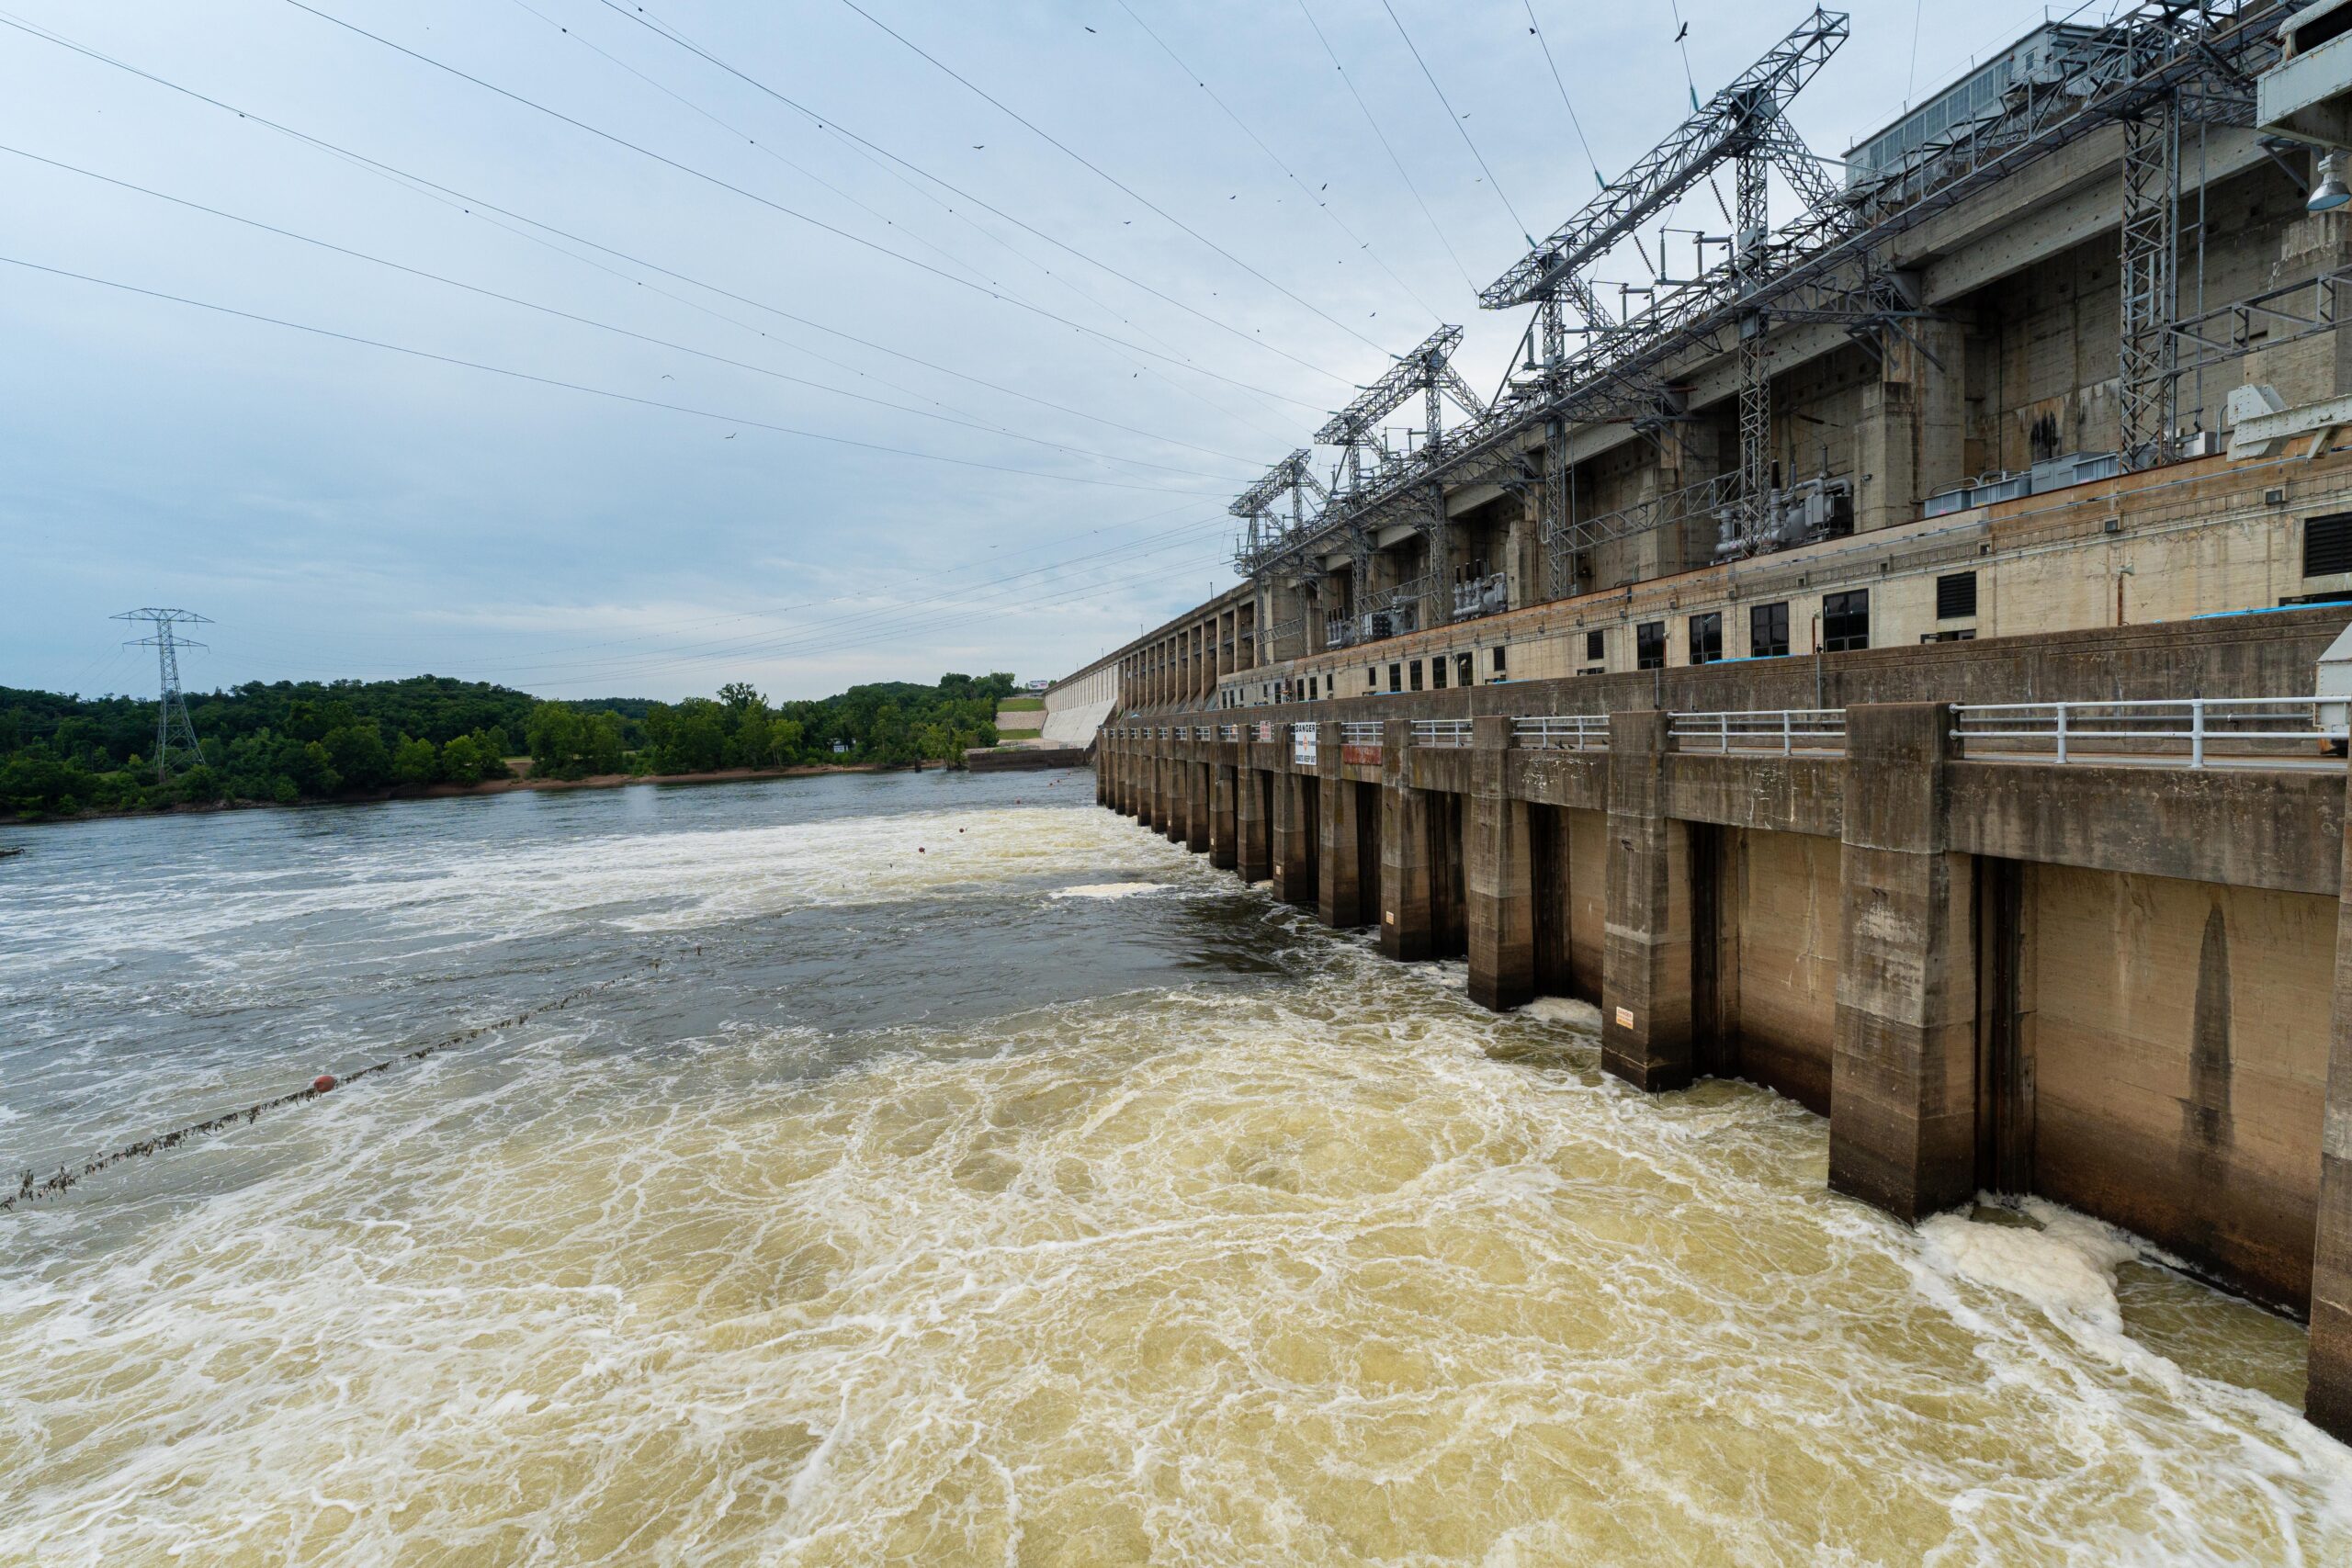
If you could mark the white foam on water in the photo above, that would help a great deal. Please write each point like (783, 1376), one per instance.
(1110, 890)
(1300, 1268)
(1576, 1014)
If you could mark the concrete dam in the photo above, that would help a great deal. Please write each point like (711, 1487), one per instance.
(1890, 667)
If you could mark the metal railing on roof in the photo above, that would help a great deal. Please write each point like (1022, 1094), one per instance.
(1440, 732)
(1360, 732)
(1562, 732)
(2196, 730)
(1784, 730)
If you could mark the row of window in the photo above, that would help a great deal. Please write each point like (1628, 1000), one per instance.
(1405, 675)
(1845, 627)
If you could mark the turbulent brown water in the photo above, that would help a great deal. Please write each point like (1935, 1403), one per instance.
(1042, 1197)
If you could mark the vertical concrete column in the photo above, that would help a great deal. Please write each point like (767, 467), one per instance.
(1338, 878)
(1197, 775)
(1500, 878)
(1902, 1048)
(1177, 770)
(1224, 853)
(1250, 848)
(1404, 848)
(1646, 951)
(2327, 1396)
(1292, 856)
(1911, 438)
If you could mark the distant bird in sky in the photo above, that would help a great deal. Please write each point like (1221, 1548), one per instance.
(730, 435)
(1683, 34)
(979, 146)
(1083, 25)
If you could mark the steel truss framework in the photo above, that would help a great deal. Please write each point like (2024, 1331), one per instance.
(2156, 68)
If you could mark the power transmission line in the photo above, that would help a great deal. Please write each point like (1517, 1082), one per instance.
(172, 722)
(1098, 170)
(1314, 197)
(568, 386)
(475, 206)
(1464, 129)
(1545, 44)
(863, 144)
(688, 169)
(1435, 227)
(601, 326)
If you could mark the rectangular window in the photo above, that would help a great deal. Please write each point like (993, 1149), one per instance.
(1437, 674)
(1707, 638)
(1396, 677)
(1372, 679)
(2327, 545)
(1649, 645)
(1956, 596)
(1767, 630)
(1596, 647)
(1464, 673)
(1417, 674)
(1310, 688)
(1496, 673)
(1845, 621)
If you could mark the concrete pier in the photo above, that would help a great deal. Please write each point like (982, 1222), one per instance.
(2121, 983)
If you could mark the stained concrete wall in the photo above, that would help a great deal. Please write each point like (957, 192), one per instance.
(1781, 936)
(2177, 1033)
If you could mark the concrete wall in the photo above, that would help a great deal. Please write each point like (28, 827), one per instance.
(2177, 1033)
(1780, 941)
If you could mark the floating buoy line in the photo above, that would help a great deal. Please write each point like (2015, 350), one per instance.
(31, 1186)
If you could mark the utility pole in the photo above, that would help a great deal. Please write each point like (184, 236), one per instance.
(172, 722)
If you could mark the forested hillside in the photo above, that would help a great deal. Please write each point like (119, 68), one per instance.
(288, 741)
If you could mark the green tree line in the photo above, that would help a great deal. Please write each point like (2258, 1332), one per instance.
(304, 741)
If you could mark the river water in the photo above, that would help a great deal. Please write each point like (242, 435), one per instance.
(981, 1179)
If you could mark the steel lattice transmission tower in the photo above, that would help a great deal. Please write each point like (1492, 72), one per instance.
(171, 723)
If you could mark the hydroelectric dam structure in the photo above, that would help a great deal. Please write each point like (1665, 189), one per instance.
(1893, 662)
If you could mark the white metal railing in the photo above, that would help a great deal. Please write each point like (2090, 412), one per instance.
(1360, 732)
(2197, 728)
(1562, 732)
(1304, 740)
(1768, 729)
(1229, 732)
(1440, 732)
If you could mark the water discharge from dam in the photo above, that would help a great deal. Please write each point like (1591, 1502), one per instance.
(981, 1179)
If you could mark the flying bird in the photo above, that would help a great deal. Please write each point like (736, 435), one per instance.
(1683, 34)
(730, 435)
(1083, 25)
(979, 146)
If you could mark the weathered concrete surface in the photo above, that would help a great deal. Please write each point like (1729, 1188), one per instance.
(989, 760)
(1646, 965)
(1405, 890)
(1339, 895)
(2246, 828)
(1781, 898)
(1902, 1065)
(1224, 849)
(1499, 875)
(1252, 824)
(1294, 837)
(2328, 1394)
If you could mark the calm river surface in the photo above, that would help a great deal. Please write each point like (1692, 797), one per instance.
(981, 1179)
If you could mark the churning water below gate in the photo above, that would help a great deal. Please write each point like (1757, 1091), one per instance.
(944, 1198)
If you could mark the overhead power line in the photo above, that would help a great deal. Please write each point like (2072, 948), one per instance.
(1088, 163)
(1463, 129)
(1576, 123)
(474, 206)
(566, 386)
(601, 326)
(1435, 227)
(1360, 244)
(748, 195)
(827, 123)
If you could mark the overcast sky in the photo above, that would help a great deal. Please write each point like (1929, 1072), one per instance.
(945, 390)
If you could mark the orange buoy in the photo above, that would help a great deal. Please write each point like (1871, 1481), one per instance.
(323, 1083)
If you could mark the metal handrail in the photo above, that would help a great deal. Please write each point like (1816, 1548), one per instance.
(1229, 732)
(1440, 732)
(1768, 729)
(1360, 732)
(2242, 726)
(1562, 732)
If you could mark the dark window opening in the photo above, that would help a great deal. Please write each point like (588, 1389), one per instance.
(1845, 621)
(1437, 674)
(1496, 673)
(1707, 638)
(1396, 677)
(1372, 679)
(1417, 674)
(2327, 545)
(1767, 630)
(1649, 645)
(1956, 596)
(1464, 673)
(1310, 688)
(1595, 646)
(1962, 635)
